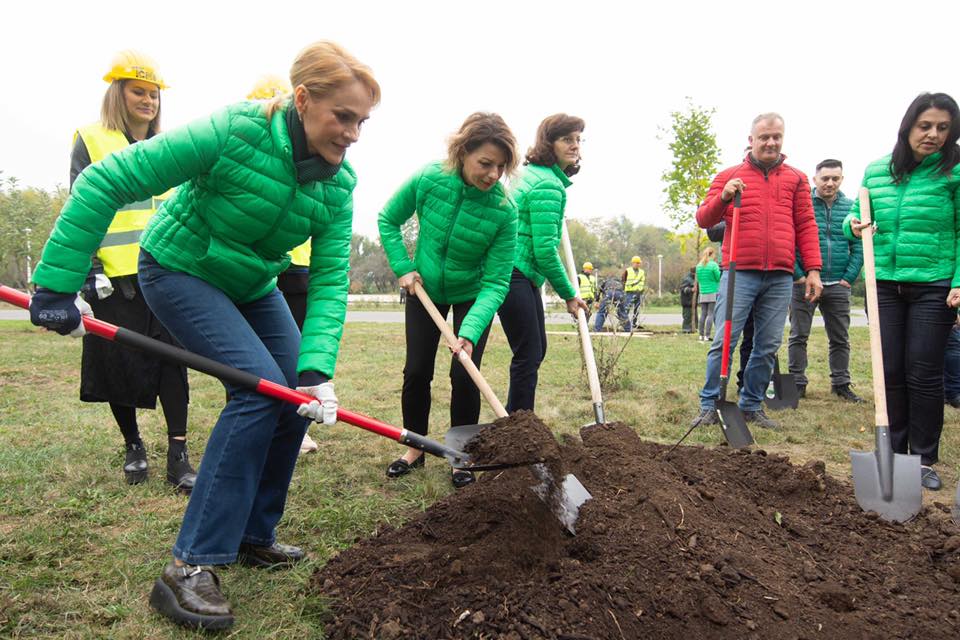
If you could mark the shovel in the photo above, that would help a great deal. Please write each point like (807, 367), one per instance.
(164, 351)
(572, 492)
(885, 482)
(586, 344)
(732, 421)
(785, 392)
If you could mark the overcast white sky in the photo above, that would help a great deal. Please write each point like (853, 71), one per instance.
(842, 74)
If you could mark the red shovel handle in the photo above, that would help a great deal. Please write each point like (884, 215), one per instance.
(242, 378)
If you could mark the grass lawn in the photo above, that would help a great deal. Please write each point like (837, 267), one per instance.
(79, 549)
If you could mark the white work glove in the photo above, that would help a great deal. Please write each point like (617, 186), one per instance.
(324, 408)
(103, 286)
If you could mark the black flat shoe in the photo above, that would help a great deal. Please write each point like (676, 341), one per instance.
(461, 478)
(276, 556)
(190, 596)
(135, 464)
(179, 472)
(401, 467)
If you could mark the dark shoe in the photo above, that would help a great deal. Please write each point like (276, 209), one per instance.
(190, 596)
(953, 402)
(461, 478)
(707, 416)
(760, 419)
(401, 467)
(844, 391)
(929, 478)
(276, 556)
(135, 464)
(179, 472)
(801, 391)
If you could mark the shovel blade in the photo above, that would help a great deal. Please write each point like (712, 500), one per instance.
(459, 438)
(734, 425)
(956, 506)
(896, 498)
(785, 392)
(572, 495)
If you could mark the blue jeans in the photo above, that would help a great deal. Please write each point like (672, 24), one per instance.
(241, 488)
(951, 365)
(612, 297)
(768, 293)
(633, 300)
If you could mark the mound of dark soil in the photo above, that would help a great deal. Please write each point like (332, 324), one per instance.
(712, 543)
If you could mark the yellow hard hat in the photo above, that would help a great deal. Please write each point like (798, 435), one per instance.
(133, 65)
(587, 265)
(269, 86)
(635, 259)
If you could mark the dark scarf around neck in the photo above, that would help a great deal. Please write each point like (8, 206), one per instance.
(310, 168)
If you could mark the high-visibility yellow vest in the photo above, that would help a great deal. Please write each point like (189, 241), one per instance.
(636, 280)
(588, 286)
(120, 248)
(300, 256)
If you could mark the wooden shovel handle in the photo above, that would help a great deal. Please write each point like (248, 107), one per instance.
(876, 346)
(465, 360)
(586, 343)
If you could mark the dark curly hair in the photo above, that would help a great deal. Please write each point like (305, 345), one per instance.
(550, 130)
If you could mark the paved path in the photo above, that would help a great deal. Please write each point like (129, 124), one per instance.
(858, 319)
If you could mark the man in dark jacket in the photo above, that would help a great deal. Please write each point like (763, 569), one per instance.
(776, 220)
(611, 293)
(842, 261)
(686, 300)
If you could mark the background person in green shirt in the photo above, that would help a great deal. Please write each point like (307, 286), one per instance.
(708, 278)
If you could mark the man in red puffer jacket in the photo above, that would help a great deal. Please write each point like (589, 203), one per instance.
(776, 221)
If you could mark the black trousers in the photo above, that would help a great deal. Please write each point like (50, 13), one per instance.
(423, 336)
(521, 315)
(915, 323)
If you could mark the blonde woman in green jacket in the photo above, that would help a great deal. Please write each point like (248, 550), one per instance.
(915, 201)
(541, 198)
(708, 281)
(463, 257)
(255, 180)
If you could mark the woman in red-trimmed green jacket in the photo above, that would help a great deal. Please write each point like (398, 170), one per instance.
(463, 257)
(915, 201)
(541, 198)
(255, 180)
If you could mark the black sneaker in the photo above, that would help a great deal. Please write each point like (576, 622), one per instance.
(759, 418)
(844, 391)
(801, 391)
(191, 596)
(135, 464)
(929, 478)
(707, 416)
(953, 402)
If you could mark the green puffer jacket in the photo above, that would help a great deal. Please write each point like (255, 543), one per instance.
(708, 277)
(541, 196)
(231, 223)
(917, 229)
(842, 258)
(466, 242)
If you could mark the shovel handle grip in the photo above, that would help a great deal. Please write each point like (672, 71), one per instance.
(462, 356)
(236, 376)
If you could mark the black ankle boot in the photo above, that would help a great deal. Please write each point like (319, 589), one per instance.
(179, 472)
(135, 463)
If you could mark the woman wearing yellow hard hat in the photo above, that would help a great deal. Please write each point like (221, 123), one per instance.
(294, 282)
(110, 372)
(255, 180)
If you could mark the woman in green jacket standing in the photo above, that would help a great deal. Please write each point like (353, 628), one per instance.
(255, 180)
(708, 283)
(541, 197)
(915, 202)
(463, 257)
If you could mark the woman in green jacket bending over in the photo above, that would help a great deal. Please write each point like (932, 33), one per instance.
(541, 197)
(255, 180)
(915, 203)
(463, 257)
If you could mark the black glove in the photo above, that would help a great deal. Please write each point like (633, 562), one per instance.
(60, 312)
